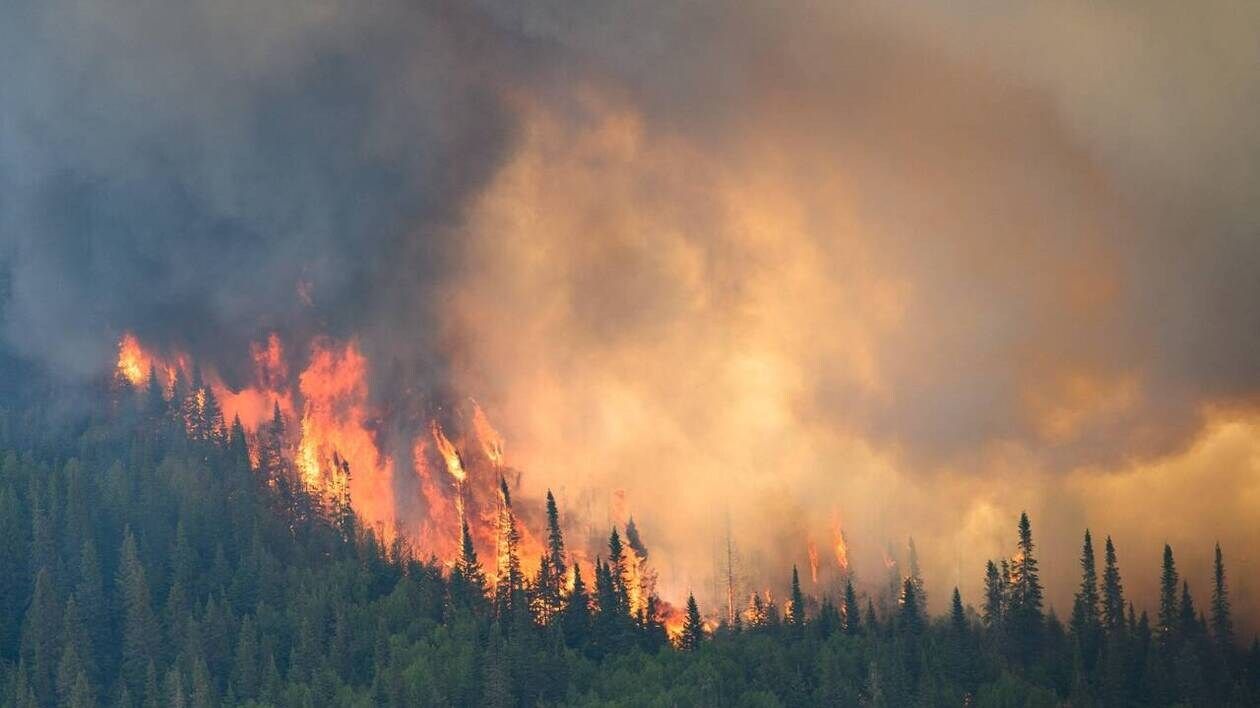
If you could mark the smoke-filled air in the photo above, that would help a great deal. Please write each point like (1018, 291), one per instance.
(845, 286)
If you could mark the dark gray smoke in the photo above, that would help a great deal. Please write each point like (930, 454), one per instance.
(185, 170)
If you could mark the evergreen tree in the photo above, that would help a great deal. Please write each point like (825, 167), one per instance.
(634, 540)
(1025, 596)
(618, 572)
(852, 614)
(155, 400)
(40, 646)
(957, 616)
(693, 627)
(1085, 622)
(552, 567)
(140, 627)
(577, 611)
(994, 595)
(910, 617)
(1113, 592)
(1168, 607)
(796, 611)
(916, 575)
(510, 582)
(468, 578)
(1222, 621)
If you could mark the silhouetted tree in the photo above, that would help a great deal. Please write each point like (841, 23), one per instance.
(1222, 621)
(693, 627)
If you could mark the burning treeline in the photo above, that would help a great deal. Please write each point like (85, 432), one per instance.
(316, 444)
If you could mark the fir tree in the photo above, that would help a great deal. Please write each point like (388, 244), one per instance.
(1168, 606)
(1113, 592)
(957, 616)
(140, 627)
(910, 617)
(1026, 595)
(796, 611)
(1085, 622)
(1222, 621)
(916, 575)
(577, 611)
(994, 595)
(693, 627)
(510, 582)
(40, 646)
(468, 578)
(618, 572)
(852, 614)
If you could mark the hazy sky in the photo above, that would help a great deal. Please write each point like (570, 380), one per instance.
(905, 267)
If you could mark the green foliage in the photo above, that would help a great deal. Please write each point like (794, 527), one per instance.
(144, 566)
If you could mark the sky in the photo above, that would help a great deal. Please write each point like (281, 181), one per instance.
(896, 267)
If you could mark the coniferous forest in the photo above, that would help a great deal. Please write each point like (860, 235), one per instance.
(150, 562)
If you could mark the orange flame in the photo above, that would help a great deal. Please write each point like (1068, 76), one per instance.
(454, 465)
(813, 561)
(842, 549)
(491, 441)
(335, 420)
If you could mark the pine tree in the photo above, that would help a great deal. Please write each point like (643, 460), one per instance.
(140, 627)
(1187, 618)
(957, 616)
(1168, 606)
(852, 614)
(1113, 592)
(577, 611)
(215, 429)
(994, 595)
(693, 627)
(74, 634)
(155, 400)
(40, 646)
(1026, 595)
(510, 582)
(1085, 622)
(551, 583)
(468, 578)
(634, 540)
(916, 575)
(796, 611)
(618, 572)
(910, 617)
(1222, 621)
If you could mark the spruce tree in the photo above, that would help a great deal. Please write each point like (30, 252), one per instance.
(1222, 621)
(577, 611)
(852, 613)
(1026, 595)
(910, 617)
(1113, 592)
(1085, 622)
(693, 627)
(140, 626)
(796, 612)
(994, 594)
(510, 581)
(916, 575)
(1168, 606)
(40, 645)
(551, 587)
(468, 578)
(957, 615)
(618, 571)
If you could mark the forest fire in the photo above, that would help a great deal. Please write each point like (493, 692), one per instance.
(841, 549)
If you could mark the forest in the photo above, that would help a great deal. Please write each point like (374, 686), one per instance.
(147, 558)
